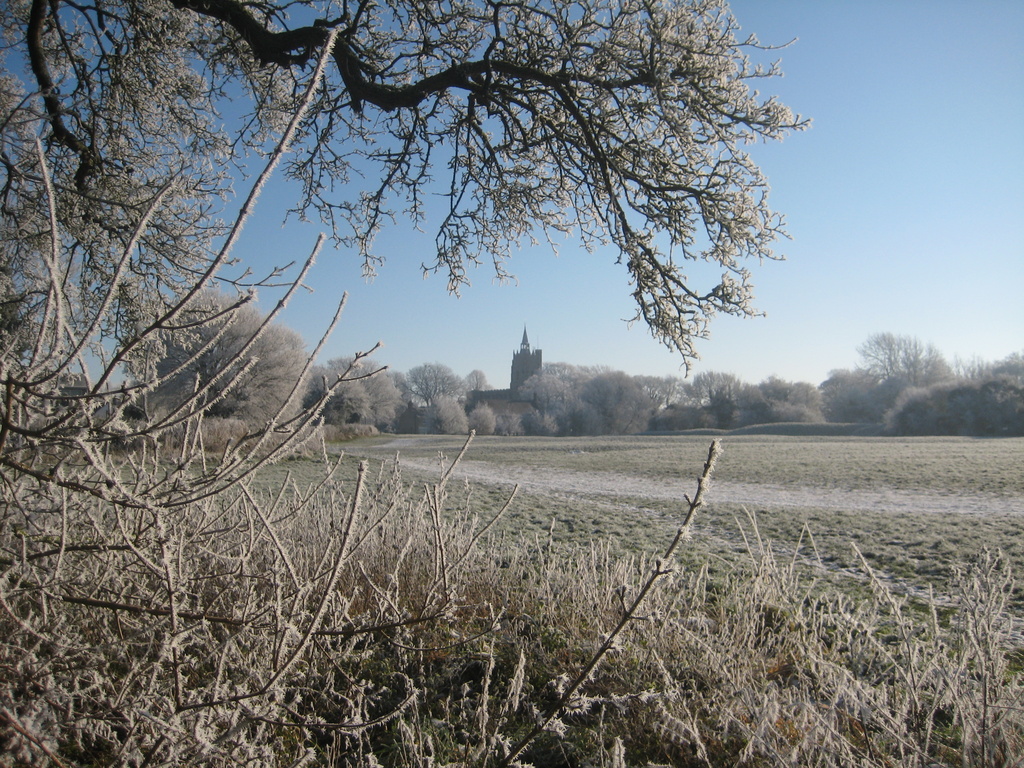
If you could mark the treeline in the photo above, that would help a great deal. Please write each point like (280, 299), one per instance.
(911, 389)
(900, 383)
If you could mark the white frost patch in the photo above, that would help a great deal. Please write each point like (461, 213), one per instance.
(755, 496)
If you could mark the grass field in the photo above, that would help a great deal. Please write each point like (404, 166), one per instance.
(908, 501)
(838, 604)
(941, 464)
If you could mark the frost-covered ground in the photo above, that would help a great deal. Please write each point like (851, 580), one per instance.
(909, 512)
(756, 496)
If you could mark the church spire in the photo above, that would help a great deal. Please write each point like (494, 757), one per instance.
(525, 363)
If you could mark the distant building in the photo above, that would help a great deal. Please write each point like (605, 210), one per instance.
(525, 363)
(504, 402)
(411, 421)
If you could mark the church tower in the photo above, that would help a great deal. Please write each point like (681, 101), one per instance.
(525, 363)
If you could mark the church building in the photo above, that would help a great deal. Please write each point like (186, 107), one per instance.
(504, 402)
(525, 363)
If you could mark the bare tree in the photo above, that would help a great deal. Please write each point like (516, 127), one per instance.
(431, 381)
(903, 359)
(974, 368)
(477, 380)
(662, 390)
(612, 120)
(614, 403)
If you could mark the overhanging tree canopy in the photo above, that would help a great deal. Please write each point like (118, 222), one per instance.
(620, 121)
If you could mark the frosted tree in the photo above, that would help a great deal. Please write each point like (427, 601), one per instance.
(477, 380)
(368, 395)
(615, 403)
(483, 420)
(613, 122)
(238, 379)
(448, 417)
(157, 606)
(430, 382)
(903, 359)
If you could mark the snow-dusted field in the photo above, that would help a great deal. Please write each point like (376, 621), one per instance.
(915, 509)
(556, 480)
(896, 475)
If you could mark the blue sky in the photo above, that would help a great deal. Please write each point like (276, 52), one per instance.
(905, 202)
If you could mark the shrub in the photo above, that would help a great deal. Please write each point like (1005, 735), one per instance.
(337, 433)
(509, 424)
(447, 417)
(232, 627)
(993, 407)
(482, 420)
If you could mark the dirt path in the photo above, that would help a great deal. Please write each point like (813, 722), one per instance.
(570, 482)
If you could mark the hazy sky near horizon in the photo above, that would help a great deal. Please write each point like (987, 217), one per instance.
(904, 201)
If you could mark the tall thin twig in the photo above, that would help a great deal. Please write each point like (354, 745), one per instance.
(660, 569)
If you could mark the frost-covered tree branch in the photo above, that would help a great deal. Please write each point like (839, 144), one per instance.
(621, 123)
